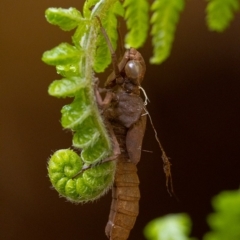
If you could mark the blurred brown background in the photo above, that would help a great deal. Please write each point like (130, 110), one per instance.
(194, 105)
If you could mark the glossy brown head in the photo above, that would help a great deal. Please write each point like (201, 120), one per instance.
(131, 71)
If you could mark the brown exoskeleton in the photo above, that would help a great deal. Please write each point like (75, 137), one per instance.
(123, 108)
(125, 115)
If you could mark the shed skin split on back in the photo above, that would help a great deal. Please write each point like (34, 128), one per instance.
(125, 114)
(123, 109)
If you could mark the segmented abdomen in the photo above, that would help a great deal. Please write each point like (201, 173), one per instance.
(125, 203)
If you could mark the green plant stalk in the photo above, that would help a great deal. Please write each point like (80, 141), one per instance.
(89, 45)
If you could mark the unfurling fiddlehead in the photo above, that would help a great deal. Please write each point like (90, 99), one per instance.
(74, 63)
(64, 167)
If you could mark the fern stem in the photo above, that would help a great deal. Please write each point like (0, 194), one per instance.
(100, 10)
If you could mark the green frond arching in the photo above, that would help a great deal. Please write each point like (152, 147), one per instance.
(75, 64)
(164, 20)
(220, 13)
(136, 17)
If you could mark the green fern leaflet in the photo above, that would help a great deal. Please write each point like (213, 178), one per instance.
(220, 13)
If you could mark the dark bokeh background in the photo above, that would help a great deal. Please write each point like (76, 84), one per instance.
(194, 105)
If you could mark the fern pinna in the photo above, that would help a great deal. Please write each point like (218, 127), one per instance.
(220, 13)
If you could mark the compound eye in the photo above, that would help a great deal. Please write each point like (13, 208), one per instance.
(133, 69)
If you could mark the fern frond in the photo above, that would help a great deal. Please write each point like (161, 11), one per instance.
(65, 164)
(137, 20)
(164, 20)
(225, 220)
(103, 56)
(220, 13)
(162, 227)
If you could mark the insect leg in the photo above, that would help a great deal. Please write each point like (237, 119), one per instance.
(103, 104)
